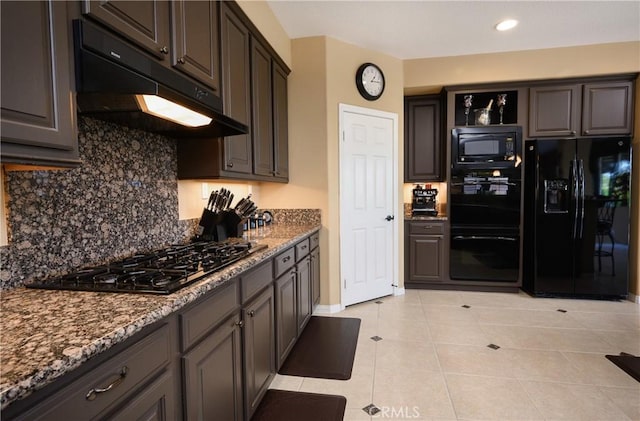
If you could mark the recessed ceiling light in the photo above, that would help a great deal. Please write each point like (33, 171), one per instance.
(506, 24)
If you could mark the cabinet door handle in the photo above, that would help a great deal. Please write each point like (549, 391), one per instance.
(164, 50)
(252, 313)
(239, 323)
(181, 60)
(230, 165)
(93, 393)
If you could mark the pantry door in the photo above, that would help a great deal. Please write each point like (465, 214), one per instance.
(368, 203)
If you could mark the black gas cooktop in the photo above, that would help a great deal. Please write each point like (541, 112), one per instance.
(160, 272)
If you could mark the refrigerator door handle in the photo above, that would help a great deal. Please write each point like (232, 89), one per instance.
(581, 195)
(574, 187)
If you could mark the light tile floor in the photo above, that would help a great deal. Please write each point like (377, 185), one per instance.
(433, 362)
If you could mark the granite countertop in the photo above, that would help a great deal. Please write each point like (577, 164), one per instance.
(408, 216)
(46, 334)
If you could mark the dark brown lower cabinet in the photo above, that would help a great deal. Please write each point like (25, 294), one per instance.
(315, 278)
(425, 250)
(213, 360)
(134, 382)
(213, 375)
(303, 276)
(155, 403)
(258, 334)
(286, 315)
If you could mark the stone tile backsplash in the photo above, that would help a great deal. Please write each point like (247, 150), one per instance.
(123, 199)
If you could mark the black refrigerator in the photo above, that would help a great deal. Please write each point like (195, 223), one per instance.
(576, 217)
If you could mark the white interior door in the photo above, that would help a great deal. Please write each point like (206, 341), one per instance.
(368, 201)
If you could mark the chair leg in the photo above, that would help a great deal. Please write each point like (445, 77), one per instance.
(600, 253)
(613, 261)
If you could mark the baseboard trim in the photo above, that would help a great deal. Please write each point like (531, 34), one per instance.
(398, 290)
(328, 309)
(633, 298)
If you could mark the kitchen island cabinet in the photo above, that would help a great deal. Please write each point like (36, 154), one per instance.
(38, 123)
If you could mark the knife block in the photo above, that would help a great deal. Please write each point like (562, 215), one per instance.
(219, 226)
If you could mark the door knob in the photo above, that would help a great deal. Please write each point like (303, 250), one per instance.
(390, 218)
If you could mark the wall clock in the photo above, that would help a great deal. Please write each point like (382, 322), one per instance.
(370, 81)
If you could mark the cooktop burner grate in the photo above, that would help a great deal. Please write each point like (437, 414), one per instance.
(160, 272)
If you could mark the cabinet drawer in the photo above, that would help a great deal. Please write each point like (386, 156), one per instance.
(302, 249)
(256, 279)
(426, 228)
(314, 240)
(125, 372)
(206, 314)
(284, 261)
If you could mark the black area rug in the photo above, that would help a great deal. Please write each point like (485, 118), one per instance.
(325, 350)
(282, 405)
(629, 363)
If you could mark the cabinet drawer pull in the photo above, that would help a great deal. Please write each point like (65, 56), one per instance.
(93, 393)
(304, 247)
(427, 227)
(286, 259)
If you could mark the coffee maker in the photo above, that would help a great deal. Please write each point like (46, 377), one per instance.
(425, 201)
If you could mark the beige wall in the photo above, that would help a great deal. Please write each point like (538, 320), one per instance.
(324, 76)
(259, 12)
(429, 75)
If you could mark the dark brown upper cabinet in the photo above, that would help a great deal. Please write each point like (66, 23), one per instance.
(229, 157)
(607, 108)
(236, 94)
(145, 23)
(262, 114)
(182, 34)
(195, 30)
(554, 110)
(596, 108)
(280, 123)
(269, 115)
(38, 120)
(254, 92)
(423, 151)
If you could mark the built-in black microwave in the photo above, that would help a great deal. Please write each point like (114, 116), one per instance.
(486, 147)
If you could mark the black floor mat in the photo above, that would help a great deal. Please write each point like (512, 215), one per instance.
(629, 363)
(282, 405)
(325, 349)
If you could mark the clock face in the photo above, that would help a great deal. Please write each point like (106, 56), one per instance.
(370, 81)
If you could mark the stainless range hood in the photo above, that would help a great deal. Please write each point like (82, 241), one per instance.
(112, 77)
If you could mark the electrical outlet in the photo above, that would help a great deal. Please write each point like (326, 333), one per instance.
(205, 190)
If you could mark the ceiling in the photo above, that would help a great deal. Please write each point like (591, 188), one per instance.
(424, 29)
